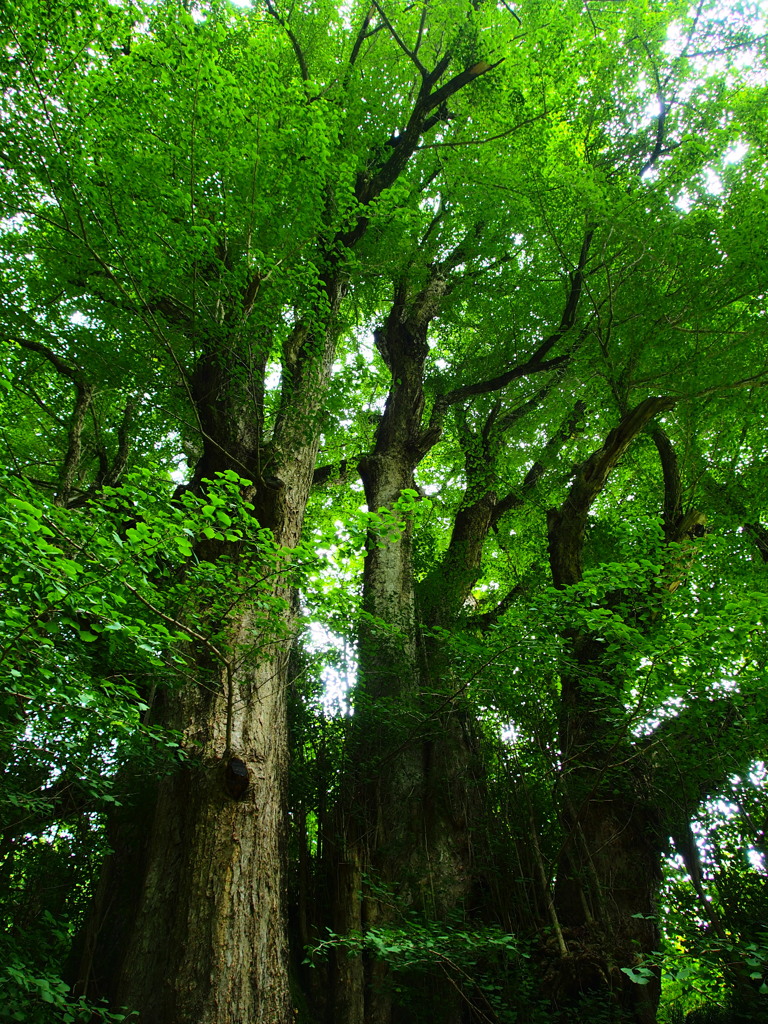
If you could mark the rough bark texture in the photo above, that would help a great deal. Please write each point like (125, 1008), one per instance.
(398, 835)
(206, 938)
(213, 886)
(610, 865)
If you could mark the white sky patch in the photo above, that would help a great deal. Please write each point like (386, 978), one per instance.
(338, 676)
(713, 183)
(511, 733)
(756, 861)
(273, 377)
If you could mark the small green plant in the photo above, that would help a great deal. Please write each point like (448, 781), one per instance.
(33, 996)
(485, 964)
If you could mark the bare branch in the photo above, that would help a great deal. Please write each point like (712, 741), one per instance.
(362, 35)
(411, 54)
(658, 148)
(292, 37)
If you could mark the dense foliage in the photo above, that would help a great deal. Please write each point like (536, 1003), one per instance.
(383, 394)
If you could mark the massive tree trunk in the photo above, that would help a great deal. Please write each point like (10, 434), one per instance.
(189, 922)
(213, 886)
(206, 940)
(610, 865)
(399, 843)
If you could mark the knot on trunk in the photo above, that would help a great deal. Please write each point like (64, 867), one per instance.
(236, 778)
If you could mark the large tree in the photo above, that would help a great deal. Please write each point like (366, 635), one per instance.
(543, 218)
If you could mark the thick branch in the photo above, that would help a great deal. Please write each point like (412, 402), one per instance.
(334, 472)
(567, 525)
(568, 319)
(673, 488)
(362, 35)
(83, 399)
(60, 365)
(293, 40)
(516, 499)
(69, 469)
(537, 362)
(406, 143)
(485, 387)
(491, 617)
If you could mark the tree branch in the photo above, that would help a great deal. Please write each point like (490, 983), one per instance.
(516, 499)
(60, 365)
(362, 35)
(484, 387)
(291, 36)
(411, 54)
(567, 525)
(673, 488)
(83, 399)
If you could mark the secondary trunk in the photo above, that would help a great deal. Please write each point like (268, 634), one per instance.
(399, 846)
(609, 869)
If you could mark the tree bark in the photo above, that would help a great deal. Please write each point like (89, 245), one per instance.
(400, 845)
(610, 864)
(206, 939)
(213, 886)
